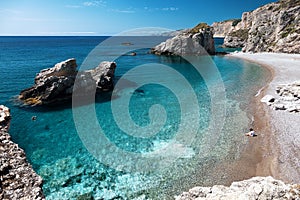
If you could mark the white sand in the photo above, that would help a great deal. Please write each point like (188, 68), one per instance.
(285, 126)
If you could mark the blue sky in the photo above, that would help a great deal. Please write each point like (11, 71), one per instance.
(108, 17)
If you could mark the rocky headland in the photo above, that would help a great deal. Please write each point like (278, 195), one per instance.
(274, 27)
(254, 188)
(17, 178)
(56, 84)
(196, 41)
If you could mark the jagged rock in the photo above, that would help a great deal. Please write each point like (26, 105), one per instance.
(196, 41)
(254, 188)
(274, 27)
(17, 178)
(289, 98)
(56, 84)
(221, 29)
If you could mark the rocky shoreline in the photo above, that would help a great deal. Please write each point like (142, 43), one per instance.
(273, 27)
(17, 178)
(254, 188)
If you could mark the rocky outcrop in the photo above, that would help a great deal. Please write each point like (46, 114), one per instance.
(17, 178)
(254, 188)
(221, 29)
(196, 41)
(289, 98)
(274, 27)
(56, 84)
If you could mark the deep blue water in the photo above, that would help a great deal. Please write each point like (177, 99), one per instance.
(56, 147)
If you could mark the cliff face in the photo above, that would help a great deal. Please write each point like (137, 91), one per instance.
(274, 27)
(196, 41)
(254, 188)
(221, 29)
(17, 178)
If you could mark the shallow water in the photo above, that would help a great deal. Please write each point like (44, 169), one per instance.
(56, 145)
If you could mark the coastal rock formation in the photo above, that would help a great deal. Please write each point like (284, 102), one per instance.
(254, 188)
(17, 178)
(289, 98)
(274, 27)
(221, 29)
(56, 84)
(196, 41)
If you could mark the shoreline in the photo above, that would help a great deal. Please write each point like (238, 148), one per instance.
(273, 154)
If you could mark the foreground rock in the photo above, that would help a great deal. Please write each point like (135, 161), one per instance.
(17, 178)
(56, 84)
(196, 41)
(289, 98)
(254, 188)
(274, 27)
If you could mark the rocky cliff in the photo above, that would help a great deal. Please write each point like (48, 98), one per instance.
(196, 41)
(254, 188)
(221, 29)
(17, 178)
(56, 84)
(274, 27)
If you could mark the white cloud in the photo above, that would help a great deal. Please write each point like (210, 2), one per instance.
(11, 11)
(146, 8)
(94, 3)
(170, 9)
(72, 6)
(123, 11)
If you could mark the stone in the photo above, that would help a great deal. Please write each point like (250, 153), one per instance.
(268, 98)
(17, 178)
(196, 41)
(56, 84)
(254, 188)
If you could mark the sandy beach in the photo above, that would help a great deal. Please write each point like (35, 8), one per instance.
(275, 151)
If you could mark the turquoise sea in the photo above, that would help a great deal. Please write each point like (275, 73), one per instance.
(55, 144)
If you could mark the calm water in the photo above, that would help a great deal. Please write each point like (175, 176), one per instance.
(55, 149)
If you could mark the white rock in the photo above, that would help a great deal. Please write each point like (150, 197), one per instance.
(267, 98)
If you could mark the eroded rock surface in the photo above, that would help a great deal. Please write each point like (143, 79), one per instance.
(274, 27)
(196, 41)
(56, 84)
(17, 178)
(288, 98)
(254, 188)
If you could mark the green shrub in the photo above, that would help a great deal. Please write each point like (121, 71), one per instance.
(235, 22)
(241, 33)
(198, 27)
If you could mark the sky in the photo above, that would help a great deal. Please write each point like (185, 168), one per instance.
(110, 17)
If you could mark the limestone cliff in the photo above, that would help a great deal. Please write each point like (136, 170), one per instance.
(196, 41)
(274, 27)
(221, 29)
(254, 188)
(17, 178)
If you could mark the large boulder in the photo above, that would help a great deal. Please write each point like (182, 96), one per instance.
(18, 180)
(56, 84)
(196, 41)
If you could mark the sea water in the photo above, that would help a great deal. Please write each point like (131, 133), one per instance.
(60, 154)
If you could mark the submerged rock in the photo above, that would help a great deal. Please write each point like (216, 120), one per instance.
(254, 188)
(56, 84)
(196, 41)
(17, 178)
